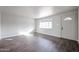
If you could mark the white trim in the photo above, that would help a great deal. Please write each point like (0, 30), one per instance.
(49, 34)
(56, 36)
(78, 25)
(8, 36)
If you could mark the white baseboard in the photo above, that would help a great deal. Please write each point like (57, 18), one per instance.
(56, 36)
(8, 36)
(50, 34)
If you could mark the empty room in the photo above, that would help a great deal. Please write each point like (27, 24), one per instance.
(39, 29)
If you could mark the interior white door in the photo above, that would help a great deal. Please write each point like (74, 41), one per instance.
(69, 25)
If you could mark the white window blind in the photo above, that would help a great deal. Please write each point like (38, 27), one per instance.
(45, 25)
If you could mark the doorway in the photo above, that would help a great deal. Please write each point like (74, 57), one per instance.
(69, 25)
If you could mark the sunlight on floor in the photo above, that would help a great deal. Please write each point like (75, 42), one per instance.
(26, 33)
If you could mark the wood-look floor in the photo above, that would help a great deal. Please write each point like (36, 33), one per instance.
(38, 43)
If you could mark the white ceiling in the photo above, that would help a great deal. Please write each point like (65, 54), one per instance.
(36, 11)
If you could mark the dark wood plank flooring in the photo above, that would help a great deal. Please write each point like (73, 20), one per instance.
(38, 43)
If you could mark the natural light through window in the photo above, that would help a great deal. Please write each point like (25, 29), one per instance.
(45, 25)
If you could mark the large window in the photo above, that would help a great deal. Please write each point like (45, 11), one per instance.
(45, 25)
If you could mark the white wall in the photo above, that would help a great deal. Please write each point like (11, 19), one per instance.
(0, 24)
(12, 25)
(56, 24)
(78, 24)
